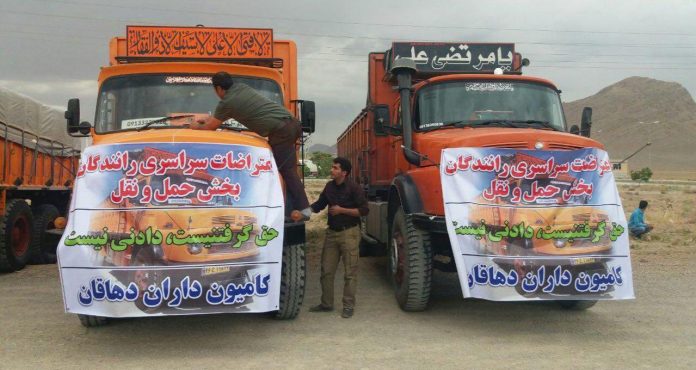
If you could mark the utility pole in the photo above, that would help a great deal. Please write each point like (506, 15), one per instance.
(634, 153)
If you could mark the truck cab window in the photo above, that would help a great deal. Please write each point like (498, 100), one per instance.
(131, 101)
(468, 102)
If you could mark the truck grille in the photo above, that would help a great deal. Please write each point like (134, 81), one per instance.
(511, 145)
(560, 146)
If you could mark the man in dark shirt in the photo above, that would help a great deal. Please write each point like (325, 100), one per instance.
(347, 203)
(268, 119)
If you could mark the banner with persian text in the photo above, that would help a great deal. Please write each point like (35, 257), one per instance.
(459, 57)
(199, 42)
(535, 224)
(173, 228)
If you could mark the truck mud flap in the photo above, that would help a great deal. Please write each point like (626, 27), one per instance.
(408, 194)
(294, 233)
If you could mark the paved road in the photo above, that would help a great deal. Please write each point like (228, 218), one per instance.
(656, 330)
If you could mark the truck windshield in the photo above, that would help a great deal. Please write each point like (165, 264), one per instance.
(130, 102)
(472, 103)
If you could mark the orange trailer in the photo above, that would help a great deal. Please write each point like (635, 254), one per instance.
(39, 163)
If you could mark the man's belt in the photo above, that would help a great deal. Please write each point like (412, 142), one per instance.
(342, 228)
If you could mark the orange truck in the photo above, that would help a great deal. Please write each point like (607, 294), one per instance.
(39, 162)
(171, 77)
(426, 97)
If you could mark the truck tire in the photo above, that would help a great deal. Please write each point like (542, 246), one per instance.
(15, 236)
(577, 305)
(410, 263)
(43, 246)
(89, 321)
(292, 283)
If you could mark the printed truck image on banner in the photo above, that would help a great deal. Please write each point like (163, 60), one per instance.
(533, 224)
(172, 228)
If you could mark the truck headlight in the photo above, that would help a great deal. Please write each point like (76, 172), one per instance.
(195, 248)
(560, 243)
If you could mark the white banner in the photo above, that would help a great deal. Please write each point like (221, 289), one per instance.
(532, 224)
(173, 228)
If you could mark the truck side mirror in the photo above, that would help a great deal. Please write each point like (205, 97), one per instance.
(575, 130)
(72, 115)
(381, 119)
(307, 116)
(586, 122)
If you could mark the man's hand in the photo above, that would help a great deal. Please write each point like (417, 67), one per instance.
(296, 216)
(336, 210)
(209, 123)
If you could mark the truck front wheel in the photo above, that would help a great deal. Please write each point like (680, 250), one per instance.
(89, 321)
(292, 284)
(410, 263)
(577, 305)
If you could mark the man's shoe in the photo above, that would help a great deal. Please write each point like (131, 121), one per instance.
(347, 313)
(320, 308)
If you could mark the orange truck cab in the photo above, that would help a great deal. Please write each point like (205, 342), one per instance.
(157, 83)
(426, 97)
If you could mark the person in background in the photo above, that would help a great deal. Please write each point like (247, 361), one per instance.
(268, 119)
(636, 224)
(347, 203)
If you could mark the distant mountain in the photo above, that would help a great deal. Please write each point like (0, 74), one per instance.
(322, 148)
(637, 110)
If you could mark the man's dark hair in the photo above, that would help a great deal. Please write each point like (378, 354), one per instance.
(344, 163)
(643, 204)
(222, 79)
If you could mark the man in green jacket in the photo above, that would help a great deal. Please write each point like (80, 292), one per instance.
(268, 119)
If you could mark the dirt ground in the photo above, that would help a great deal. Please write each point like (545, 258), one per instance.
(656, 330)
